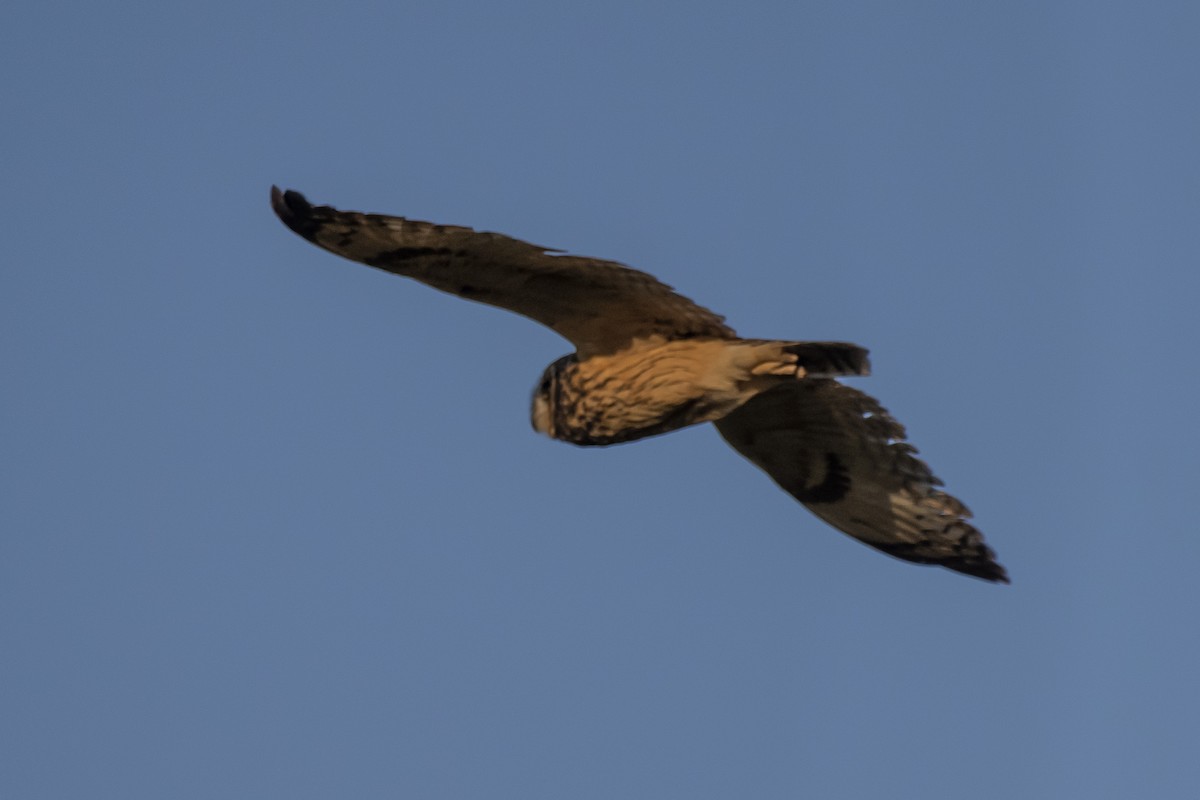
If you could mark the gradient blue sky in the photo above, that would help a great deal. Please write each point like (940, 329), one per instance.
(275, 525)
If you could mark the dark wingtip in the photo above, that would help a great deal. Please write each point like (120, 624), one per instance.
(978, 561)
(985, 569)
(294, 211)
(992, 572)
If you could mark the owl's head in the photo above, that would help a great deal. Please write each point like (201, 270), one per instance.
(545, 398)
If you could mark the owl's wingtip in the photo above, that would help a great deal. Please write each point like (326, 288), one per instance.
(286, 201)
(293, 210)
(983, 566)
(994, 573)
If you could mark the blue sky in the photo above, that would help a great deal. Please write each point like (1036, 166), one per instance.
(275, 525)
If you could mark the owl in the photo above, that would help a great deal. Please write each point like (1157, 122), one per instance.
(648, 361)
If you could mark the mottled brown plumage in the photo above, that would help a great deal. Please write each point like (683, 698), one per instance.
(599, 306)
(840, 453)
(649, 361)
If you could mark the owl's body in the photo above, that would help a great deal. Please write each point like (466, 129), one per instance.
(656, 385)
(649, 361)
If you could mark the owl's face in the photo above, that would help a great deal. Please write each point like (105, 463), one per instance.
(539, 413)
(545, 398)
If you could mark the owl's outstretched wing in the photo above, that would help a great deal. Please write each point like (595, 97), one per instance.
(600, 306)
(841, 454)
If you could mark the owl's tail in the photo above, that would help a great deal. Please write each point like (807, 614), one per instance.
(809, 359)
(829, 359)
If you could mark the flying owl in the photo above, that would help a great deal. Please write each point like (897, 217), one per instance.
(648, 361)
